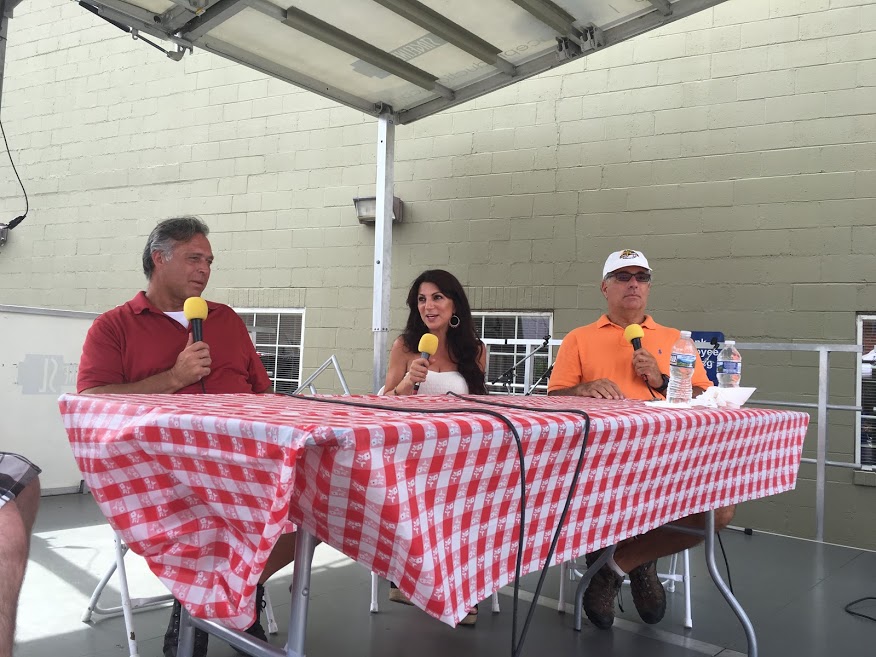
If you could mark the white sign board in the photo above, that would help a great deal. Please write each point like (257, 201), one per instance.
(38, 362)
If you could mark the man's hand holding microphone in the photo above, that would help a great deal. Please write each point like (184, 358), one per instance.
(643, 361)
(193, 363)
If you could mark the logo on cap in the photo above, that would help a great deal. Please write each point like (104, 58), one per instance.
(627, 253)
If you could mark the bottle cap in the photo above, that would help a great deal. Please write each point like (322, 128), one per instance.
(729, 343)
(685, 334)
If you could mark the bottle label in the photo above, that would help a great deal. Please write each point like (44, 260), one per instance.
(729, 367)
(682, 360)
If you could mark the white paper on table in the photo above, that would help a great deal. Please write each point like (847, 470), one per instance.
(713, 397)
(716, 397)
(662, 403)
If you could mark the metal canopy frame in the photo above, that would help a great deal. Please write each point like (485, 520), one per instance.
(189, 23)
(560, 34)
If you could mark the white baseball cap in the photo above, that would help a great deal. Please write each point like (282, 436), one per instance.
(625, 258)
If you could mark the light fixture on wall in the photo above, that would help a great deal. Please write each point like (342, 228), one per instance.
(366, 209)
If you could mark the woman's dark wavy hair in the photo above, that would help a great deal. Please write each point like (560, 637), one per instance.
(463, 344)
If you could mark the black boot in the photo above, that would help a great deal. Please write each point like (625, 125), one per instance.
(171, 637)
(256, 628)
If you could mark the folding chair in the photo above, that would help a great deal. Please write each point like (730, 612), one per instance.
(569, 570)
(130, 605)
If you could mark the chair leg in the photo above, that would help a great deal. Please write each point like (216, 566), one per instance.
(98, 590)
(673, 569)
(561, 604)
(688, 618)
(495, 602)
(121, 548)
(374, 588)
(269, 614)
(128, 605)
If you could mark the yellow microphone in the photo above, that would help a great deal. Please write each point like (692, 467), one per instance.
(195, 310)
(428, 346)
(634, 334)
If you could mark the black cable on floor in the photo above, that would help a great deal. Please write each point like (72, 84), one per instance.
(858, 613)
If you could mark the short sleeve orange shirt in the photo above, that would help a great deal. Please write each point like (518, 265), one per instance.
(600, 351)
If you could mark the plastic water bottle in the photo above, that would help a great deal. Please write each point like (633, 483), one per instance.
(729, 366)
(681, 367)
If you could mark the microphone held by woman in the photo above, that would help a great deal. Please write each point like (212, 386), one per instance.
(428, 347)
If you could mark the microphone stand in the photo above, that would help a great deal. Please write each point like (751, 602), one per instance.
(546, 375)
(503, 378)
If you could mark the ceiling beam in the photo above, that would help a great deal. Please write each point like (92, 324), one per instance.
(550, 14)
(611, 36)
(132, 18)
(337, 38)
(116, 7)
(215, 15)
(455, 34)
(292, 76)
(662, 6)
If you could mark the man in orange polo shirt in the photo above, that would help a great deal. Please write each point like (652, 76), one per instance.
(597, 361)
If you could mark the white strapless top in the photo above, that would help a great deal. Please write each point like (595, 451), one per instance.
(440, 383)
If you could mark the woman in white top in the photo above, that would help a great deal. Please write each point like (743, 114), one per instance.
(438, 305)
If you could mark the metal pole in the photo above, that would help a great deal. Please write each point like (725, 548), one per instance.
(383, 244)
(722, 587)
(305, 544)
(820, 474)
(5, 15)
(6, 9)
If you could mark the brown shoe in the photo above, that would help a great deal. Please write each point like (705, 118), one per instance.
(471, 618)
(395, 595)
(649, 595)
(600, 595)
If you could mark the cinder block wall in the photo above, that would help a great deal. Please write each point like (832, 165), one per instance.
(736, 148)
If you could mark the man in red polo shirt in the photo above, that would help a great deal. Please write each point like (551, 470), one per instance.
(144, 346)
(597, 361)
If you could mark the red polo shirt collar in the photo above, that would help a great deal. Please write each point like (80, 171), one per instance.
(141, 303)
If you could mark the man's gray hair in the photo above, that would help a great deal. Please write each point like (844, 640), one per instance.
(166, 235)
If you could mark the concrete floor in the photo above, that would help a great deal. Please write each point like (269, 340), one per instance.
(794, 591)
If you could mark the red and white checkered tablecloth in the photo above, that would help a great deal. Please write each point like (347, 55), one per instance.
(203, 485)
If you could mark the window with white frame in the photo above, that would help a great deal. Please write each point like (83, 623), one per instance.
(278, 336)
(509, 337)
(866, 397)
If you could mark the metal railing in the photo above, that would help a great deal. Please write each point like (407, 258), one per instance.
(822, 406)
(820, 460)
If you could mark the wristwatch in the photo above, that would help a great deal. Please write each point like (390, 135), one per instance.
(665, 385)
